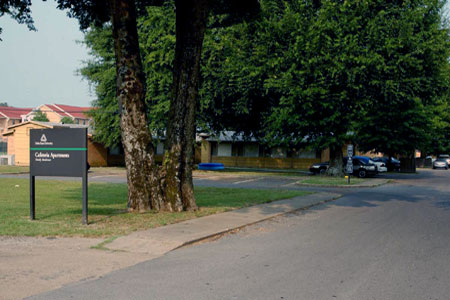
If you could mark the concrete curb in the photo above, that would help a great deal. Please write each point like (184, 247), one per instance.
(383, 182)
(16, 173)
(256, 222)
(160, 240)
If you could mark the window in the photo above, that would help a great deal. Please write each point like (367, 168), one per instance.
(118, 150)
(237, 149)
(214, 148)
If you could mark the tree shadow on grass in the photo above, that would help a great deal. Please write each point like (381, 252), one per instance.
(103, 199)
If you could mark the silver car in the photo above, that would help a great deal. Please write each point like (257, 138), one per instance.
(446, 157)
(440, 163)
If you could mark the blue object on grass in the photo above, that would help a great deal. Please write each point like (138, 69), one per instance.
(210, 166)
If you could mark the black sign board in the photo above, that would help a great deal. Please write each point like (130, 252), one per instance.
(58, 152)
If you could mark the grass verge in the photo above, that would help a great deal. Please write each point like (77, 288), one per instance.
(58, 208)
(13, 169)
(329, 180)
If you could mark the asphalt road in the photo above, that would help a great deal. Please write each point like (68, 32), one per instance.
(389, 242)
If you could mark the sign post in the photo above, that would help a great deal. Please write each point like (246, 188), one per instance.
(349, 167)
(59, 152)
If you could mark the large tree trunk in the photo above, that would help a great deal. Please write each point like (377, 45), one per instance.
(336, 161)
(144, 190)
(191, 18)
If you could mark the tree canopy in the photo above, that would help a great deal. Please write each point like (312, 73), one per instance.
(304, 74)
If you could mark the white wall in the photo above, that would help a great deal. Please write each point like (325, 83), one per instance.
(224, 149)
(306, 154)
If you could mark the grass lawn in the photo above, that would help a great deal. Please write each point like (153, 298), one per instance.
(58, 208)
(13, 169)
(329, 180)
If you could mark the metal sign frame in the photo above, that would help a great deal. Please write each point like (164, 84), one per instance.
(58, 152)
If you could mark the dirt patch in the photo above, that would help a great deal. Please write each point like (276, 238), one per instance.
(34, 265)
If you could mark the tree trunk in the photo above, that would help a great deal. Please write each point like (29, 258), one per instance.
(191, 18)
(144, 190)
(408, 163)
(336, 161)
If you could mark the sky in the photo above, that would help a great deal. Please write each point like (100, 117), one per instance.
(41, 67)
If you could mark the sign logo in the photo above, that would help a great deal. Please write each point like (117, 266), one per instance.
(44, 141)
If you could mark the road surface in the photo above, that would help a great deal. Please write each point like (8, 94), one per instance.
(385, 243)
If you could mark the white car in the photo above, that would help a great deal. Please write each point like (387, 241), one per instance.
(381, 167)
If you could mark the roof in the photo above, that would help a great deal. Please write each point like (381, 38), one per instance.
(77, 112)
(63, 110)
(13, 112)
(49, 125)
(227, 136)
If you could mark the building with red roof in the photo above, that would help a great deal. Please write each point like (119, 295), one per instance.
(56, 112)
(10, 116)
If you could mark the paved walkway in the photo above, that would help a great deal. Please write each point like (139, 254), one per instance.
(34, 265)
(163, 239)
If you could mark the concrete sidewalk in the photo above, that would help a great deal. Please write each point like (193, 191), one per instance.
(32, 265)
(160, 240)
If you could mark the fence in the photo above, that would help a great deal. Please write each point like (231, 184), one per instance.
(265, 162)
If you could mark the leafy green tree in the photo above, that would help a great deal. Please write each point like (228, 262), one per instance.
(439, 141)
(67, 120)
(3, 104)
(19, 10)
(331, 72)
(40, 116)
(409, 49)
(170, 188)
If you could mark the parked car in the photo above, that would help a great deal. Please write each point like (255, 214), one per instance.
(381, 166)
(391, 164)
(362, 167)
(319, 168)
(446, 157)
(440, 163)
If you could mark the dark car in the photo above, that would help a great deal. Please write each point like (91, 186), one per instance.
(392, 164)
(319, 168)
(361, 167)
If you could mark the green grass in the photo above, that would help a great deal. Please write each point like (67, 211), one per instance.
(13, 169)
(58, 208)
(329, 180)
